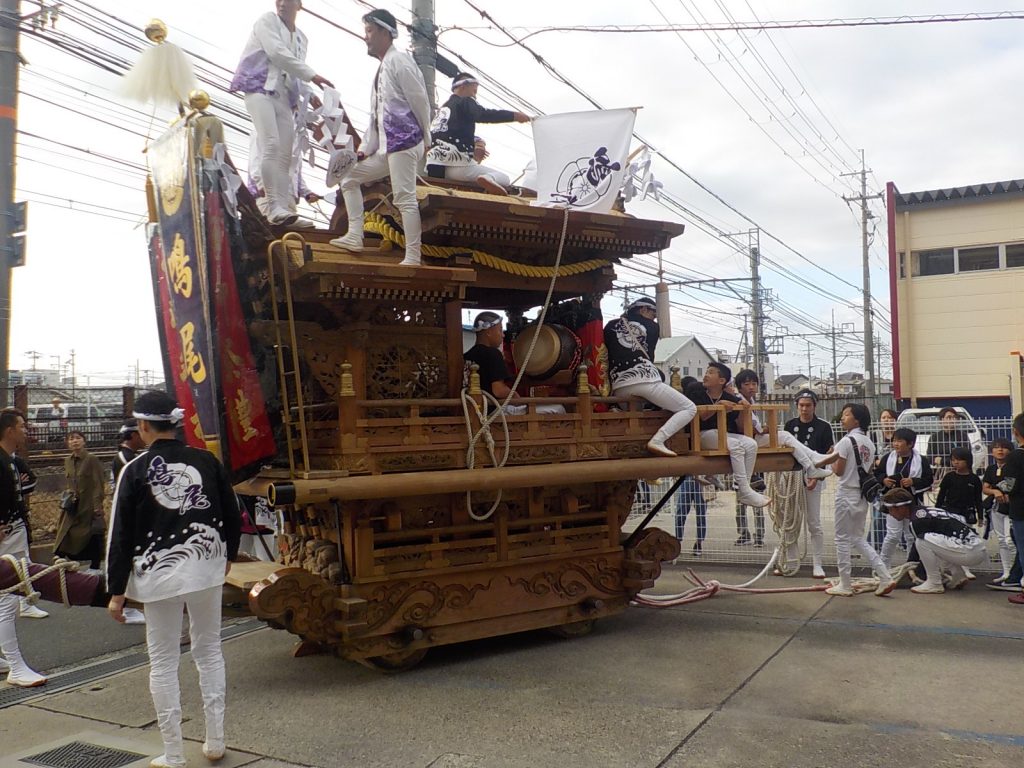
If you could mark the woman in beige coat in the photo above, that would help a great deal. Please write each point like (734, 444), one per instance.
(81, 527)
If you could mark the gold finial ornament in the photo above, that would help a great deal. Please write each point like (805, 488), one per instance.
(156, 31)
(199, 100)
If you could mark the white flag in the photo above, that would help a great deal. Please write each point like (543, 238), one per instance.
(581, 157)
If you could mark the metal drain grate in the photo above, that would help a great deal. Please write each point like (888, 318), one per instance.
(11, 695)
(78, 754)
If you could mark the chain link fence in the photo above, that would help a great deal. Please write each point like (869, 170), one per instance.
(736, 534)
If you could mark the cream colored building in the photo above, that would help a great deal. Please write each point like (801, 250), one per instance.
(958, 297)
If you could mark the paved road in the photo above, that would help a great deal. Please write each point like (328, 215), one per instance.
(795, 681)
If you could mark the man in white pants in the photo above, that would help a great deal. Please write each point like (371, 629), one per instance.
(816, 434)
(742, 449)
(396, 140)
(631, 341)
(944, 541)
(747, 385)
(271, 74)
(13, 541)
(855, 449)
(455, 144)
(174, 530)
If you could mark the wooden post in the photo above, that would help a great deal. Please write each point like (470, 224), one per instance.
(585, 408)
(347, 400)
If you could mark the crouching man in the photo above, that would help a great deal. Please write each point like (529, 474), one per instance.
(944, 541)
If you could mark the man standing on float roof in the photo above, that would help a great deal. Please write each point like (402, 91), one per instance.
(271, 76)
(396, 139)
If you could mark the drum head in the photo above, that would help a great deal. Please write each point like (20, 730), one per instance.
(545, 354)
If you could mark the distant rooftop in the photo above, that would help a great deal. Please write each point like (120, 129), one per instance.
(973, 193)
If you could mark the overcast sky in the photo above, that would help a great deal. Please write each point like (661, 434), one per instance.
(932, 105)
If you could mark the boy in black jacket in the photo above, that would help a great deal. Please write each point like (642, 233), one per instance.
(902, 467)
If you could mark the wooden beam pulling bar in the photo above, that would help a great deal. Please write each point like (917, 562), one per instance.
(404, 484)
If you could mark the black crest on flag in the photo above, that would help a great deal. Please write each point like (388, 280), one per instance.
(586, 180)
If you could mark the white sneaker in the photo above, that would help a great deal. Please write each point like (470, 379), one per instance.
(24, 676)
(752, 498)
(925, 588)
(292, 221)
(213, 750)
(32, 612)
(817, 572)
(967, 572)
(164, 762)
(133, 616)
(349, 242)
(409, 262)
(815, 473)
(885, 586)
(658, 447)
(839, 591)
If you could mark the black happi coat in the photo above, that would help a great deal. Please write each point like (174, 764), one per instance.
(174, 524)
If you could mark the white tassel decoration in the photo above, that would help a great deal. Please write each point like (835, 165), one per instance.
(163, 74)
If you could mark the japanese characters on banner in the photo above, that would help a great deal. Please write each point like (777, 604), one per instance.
(247, 429)
(582, 157)
(186, 316)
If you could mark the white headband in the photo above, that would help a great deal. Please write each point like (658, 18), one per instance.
(899, 504)
(175, 417)
(465, 81)
(383, 25)
(482, 323)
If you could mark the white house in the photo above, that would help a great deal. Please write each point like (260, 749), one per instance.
(686, 352)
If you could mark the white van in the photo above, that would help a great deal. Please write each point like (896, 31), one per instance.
(925, 421)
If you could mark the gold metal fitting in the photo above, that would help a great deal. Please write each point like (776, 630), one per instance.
(156, 31)
(199, 100)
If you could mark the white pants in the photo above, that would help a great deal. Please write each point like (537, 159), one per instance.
(163, 638)
(815, 533)
(274, 123)
(1007, 551)
(662, 395)
(401, 166)
(935, 558)
(522, 410)
(742, 455)
(851, 516)
(16, 544)
(804, 456)
(474, 171)
(894, 529)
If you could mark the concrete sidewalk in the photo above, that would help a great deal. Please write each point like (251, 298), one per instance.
(789, 680)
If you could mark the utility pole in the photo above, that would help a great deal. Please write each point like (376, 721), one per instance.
(10, 255)
(865, 215)
(835, 365)
(663, 301)
(810, 371)
(757, 319)
(34, 356)
(424, 45)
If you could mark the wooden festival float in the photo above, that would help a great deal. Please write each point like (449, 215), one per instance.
(397, 536)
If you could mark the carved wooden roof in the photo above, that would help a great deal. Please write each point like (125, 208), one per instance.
(507, 226)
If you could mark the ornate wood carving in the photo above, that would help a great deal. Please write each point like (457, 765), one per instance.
(537, 454)
(298, 601)
(418, 602)
(571, 580)
(643, 560)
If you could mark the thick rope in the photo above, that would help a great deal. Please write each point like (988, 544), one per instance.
(788, 515)
(485, 420)
(376, 223)
(25, 578)
(703, 590)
